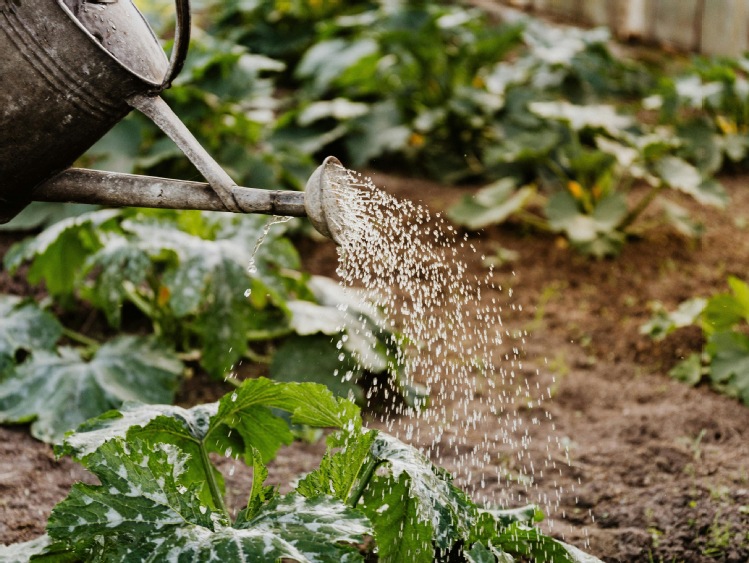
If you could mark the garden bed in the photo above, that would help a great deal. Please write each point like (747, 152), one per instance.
(658, 471)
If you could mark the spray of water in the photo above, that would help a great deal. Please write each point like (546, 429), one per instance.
(451, 339)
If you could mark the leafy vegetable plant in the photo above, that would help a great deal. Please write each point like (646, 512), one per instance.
(724, 320)
(160, 496)
(56, 388)
(184, 274)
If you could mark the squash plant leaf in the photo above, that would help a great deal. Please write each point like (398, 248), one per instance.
(58, 253)
(491, 205)
(242, 423)
(678, 174)
(439, 503)
(24, 327)
(58, 391)
(144, 510)
(729, 365)
(403, 533)
(523, 540)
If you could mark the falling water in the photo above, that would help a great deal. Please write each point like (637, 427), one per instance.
(452, 340)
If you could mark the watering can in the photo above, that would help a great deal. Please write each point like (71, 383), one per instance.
(69, 71)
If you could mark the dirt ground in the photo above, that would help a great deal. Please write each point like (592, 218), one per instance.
(660, 471)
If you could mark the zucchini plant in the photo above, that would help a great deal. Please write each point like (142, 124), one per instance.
(182, 281)
(724, 320)
(160, 497)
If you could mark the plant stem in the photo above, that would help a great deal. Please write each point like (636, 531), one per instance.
(640, 207)
(218, 499)
(80, 338)
(533, 220)
(363, 479)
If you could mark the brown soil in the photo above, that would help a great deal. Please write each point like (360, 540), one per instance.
(658, 471)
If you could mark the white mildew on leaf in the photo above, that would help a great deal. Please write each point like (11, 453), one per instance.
(57, 392)
(166, 521)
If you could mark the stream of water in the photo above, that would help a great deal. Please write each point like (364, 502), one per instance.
(485, 406)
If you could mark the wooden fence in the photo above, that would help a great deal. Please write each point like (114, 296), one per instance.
(714, 27)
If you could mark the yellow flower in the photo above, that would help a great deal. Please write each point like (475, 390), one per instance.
(163, 297)
(575, 189)
(726, 126)
(416, 139)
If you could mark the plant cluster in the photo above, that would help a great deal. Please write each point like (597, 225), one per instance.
(161, 498)
(180, 278)
(724, 320)
(447, 91)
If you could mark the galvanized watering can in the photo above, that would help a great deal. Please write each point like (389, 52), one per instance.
(69, 71)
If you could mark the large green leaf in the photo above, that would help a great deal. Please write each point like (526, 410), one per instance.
(342, 471)
(584, 117)
(437, 501)
(24, 326)
(241, 420)
(317, 359)
(594, 234)
(402, 532)
(114, 269)
(491, 205)
(525, 541)
(57, 392)
(58, 253)
(144, 510)
(729, 363)
(680, 175)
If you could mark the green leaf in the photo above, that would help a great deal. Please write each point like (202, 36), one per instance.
(491, 205)
(680, 219)
(480, 554)
(144, 510)
(316, 359)
(680, 175)
(402, 532)
(723, 312)
(688, 370)
(438, 503)
(594, 234)
(340, 472)
(583, 117)
(24, 326)
(118, 265)
(241, 420)
(260, 495)
(663, 323)
(58, 392)
(326, 60)
(58, 253)
(142, 493)
(521, 540)
(729, 363)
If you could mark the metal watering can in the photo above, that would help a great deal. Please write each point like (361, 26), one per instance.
(69, 71)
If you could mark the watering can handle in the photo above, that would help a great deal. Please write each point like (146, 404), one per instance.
(181, 43)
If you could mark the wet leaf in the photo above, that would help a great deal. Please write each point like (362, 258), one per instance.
(58, 391)
(243, 413)
(144, 510)
(402, 532)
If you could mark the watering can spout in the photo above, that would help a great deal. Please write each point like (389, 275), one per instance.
(318, 202)
(73, 69)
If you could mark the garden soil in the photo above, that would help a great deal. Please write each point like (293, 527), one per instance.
(657, 470)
